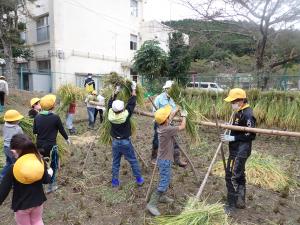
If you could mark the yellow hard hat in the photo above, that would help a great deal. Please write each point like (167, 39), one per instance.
(235, 93)
(94, 92)
(47, 102)
(12, 115)
(34, 101)
(162, 114)
(28, 169)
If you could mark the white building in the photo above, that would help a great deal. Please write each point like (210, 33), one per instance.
(154, 30)
(71, 38)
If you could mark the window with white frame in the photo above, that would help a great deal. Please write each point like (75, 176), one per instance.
(44, 66)
(42, 29)
(133, 42)
(134, 8)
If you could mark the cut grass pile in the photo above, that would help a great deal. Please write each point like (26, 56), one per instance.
(264, 171)
(195, 214)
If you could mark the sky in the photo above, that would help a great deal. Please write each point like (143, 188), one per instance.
(163, 10)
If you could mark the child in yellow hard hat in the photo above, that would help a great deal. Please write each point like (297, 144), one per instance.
(10, 128)
(165, 157)
(35, 107)
(46, 125)
(26, 177)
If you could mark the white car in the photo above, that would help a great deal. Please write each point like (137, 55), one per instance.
(209, 86)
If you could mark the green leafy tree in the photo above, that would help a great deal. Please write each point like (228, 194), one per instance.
(150, 61)
(179, 60)
(11, 45)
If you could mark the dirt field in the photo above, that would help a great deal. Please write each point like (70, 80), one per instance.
(85, 196)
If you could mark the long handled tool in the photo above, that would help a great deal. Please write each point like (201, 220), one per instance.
(218, 131)
(151, 181)
(211, 165)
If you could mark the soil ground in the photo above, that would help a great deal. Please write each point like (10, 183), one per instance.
(86, 197)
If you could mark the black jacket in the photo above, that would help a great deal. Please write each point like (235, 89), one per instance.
(32, 113)
(242, 145)
(46, 127)
(25, 196)
(122, 131)
(89, 81)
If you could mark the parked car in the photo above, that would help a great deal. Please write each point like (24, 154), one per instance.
(209, 86)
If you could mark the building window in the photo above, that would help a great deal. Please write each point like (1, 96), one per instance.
(133, 42)
(134, 75)
(134, 8)
(44, 66)
(42, 29)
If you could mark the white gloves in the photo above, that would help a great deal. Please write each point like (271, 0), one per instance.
(117, 89)
(227, 138)
(133, 85)
(183, 113)
(50, 172)
(68, 142)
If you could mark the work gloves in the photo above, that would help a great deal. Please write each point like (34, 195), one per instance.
(183, 113)
(227, 138)
(50, 172)
(68, 142)
(133, 85)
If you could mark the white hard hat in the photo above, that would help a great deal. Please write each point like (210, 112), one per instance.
(168, 84)
(117, 105)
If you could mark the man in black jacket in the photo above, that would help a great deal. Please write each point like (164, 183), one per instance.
(119, 118)
(240, 145)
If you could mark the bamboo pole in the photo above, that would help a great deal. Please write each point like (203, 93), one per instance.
(237, 128)
(151, 182)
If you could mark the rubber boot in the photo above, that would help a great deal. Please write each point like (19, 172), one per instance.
(152, 204)
(241, 197)
(51, 188)
(165, 199)
(177, 159)
(230, 207)
(154, 156)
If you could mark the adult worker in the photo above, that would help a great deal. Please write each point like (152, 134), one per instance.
(240, 145)
(89, 84)
(3, 92)
(161, 101)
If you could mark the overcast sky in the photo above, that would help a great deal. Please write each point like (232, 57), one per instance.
(163, 10)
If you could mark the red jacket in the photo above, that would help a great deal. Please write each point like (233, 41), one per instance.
(72, 108)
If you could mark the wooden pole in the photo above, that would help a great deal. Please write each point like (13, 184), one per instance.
(236, 128)
(151, 182)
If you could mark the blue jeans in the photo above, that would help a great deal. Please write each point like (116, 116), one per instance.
(91, 114)
(10, 159)
(165, 174)
(69, 121)
(124, 147)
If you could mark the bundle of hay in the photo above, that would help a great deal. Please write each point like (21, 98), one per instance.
(263, 171)
(112, 80)
(191, 127)
(67, 94)
(27, 126)
(196, 213)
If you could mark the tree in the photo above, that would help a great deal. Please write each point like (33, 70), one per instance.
(10, 27)
(179, 60)
(267, 17)
(150, 61)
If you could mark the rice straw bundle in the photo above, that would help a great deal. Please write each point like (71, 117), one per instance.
(191, 127)
(196, 214)
(264, 171)
(67, 94)
(112, 80)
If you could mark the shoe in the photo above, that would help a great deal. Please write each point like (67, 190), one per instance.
(51, 188)
(115, 182)
(72, 131)
(230, 207)
(140, 181)
(241, 199)
(152, 204)
(165, 199)
(181, 163)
